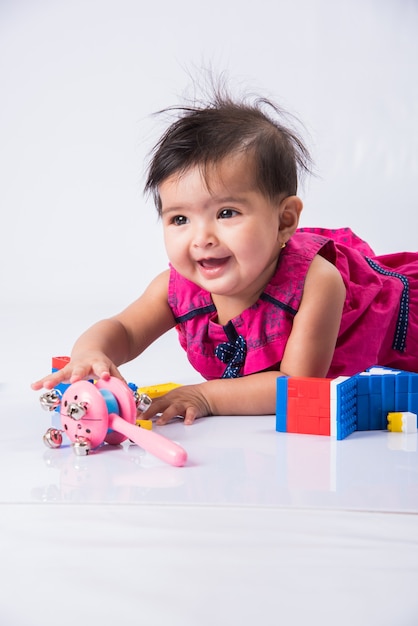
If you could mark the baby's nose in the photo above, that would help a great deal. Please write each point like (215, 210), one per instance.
(204, 237)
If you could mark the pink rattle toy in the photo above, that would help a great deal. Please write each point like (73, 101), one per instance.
(105, 411)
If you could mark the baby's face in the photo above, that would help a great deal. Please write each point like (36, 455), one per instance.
(220, 231)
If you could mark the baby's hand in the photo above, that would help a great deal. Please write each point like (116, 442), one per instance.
(91, 365)
(187, 401)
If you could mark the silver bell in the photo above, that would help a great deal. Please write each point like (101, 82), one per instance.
(77, 410)
(53, 438)
(142, 401)
(50, 400)
(82, 446)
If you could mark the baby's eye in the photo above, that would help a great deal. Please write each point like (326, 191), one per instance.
(225, 214)
(179, 220)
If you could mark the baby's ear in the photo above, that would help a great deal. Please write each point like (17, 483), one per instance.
(290, 210)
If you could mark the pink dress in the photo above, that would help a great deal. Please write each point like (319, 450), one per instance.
(379, 323)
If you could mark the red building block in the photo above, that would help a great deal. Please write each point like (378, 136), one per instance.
(59, 362)
(308, 408)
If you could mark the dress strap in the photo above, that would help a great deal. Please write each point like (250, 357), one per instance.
(399, 340)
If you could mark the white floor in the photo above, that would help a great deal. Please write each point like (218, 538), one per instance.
(258, 527)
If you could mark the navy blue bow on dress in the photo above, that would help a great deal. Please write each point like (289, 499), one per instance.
(232, 352)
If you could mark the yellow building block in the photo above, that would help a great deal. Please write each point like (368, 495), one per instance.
(144, 424)
(155, 391)
(395, 422)
(405, 422)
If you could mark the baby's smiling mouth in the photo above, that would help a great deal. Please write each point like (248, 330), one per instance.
(212, 262)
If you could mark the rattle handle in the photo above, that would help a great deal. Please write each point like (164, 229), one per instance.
(152, 442)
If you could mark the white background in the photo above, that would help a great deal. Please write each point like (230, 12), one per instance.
(257, 520)
(79, 83)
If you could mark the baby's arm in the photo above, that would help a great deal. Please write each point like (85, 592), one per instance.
(102, 348)
(308, 352)
(311, 344)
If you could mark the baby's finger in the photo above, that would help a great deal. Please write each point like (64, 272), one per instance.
(190, 415)
(79, 373)
(89, 370)
(170, 413)
(104, 370)
(38, 384)
(113, 371)
(50, 381)
(157, 406)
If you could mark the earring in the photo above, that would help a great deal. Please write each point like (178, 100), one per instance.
(283, 245)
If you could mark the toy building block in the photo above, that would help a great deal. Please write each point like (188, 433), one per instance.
(380, 391)
(372, 389)
(409, 422)
(402, 422)
(155, 391)
(344, 407)
(59, 362)
(388, 395)
(281, 404)
(401, 392)
(334, 404)
(395, 422)
(308, 406)
(144, 424)
(341, 406)
(363, 403)
(375, 399)
(413, 393)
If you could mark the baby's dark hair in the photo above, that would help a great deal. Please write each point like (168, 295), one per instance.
(203, 135)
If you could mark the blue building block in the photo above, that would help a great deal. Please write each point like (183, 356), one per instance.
(375, 416)
(388, 396)
(346, 413)
(413, 382)
(388, 391)
(378, 418)
(281, 404)
(413, 393)
(401, 391)
(363, 402)
(61, 387)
